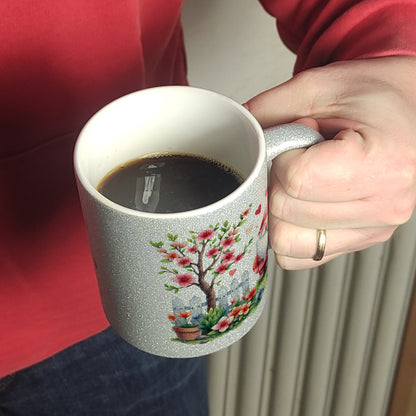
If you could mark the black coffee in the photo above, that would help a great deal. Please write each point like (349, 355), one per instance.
(169, 183)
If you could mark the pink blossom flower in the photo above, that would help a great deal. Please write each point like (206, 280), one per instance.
(238, 257)
(162, 250)
(232, 301)
(222, 268)
(265, 221)
(212, 252)
(251, 293)
(172, 255)
(228, 242)
(228, 256)
(223, 324)
(177, 244)
(259, 265)
(192, 249)
(184, 261)
(205, 235)
(184, 280)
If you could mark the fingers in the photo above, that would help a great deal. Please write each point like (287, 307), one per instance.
(360, 184)
(377, 210)
(328, 171)
(348, 213)
(354, 214)
(295, 246)
(288, 263)
(353, 187)
(293, 241)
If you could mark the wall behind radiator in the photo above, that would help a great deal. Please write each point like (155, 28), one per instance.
(233, 47)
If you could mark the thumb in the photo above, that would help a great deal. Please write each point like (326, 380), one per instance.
(295, 99)
(329, 92)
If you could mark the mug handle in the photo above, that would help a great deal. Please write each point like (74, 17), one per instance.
(289, 136)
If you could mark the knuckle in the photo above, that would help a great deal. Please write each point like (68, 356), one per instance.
(371, 236)
(398, 213)
(404, 179)
(277, 204)
(385, 235)
(291, 185)
(402, 212)
(311, 80)
(279, 241)
(399, 194)
(294, 182)
(283, 262)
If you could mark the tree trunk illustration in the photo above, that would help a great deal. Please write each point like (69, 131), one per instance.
(207, 254)
(209, 294)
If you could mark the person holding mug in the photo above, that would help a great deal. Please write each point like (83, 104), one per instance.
(63, 61)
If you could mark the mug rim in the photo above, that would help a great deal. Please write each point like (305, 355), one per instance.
(247, 182)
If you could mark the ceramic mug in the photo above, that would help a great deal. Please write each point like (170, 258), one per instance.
(190, 283)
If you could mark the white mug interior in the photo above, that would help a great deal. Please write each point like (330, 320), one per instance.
(175, 119)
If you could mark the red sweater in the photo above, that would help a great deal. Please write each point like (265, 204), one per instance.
(60, 61)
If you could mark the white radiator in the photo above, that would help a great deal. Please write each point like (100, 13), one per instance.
(328, 341)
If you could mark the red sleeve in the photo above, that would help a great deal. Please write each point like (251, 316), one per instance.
(324, 31)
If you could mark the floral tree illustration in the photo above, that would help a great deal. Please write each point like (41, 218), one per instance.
(204, 258)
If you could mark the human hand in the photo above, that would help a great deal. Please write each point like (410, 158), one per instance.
(359, 186)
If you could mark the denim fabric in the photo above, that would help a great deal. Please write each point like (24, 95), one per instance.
(104, 375)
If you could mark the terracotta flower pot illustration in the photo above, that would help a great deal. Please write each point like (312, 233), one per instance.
(187, 334)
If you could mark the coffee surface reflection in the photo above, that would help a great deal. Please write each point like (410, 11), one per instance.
(169, 183)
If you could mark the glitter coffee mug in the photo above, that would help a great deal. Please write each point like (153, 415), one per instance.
(189, 283)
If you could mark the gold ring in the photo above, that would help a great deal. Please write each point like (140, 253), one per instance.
(320, 245)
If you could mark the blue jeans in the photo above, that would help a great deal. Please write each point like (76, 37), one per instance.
(104, 375)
